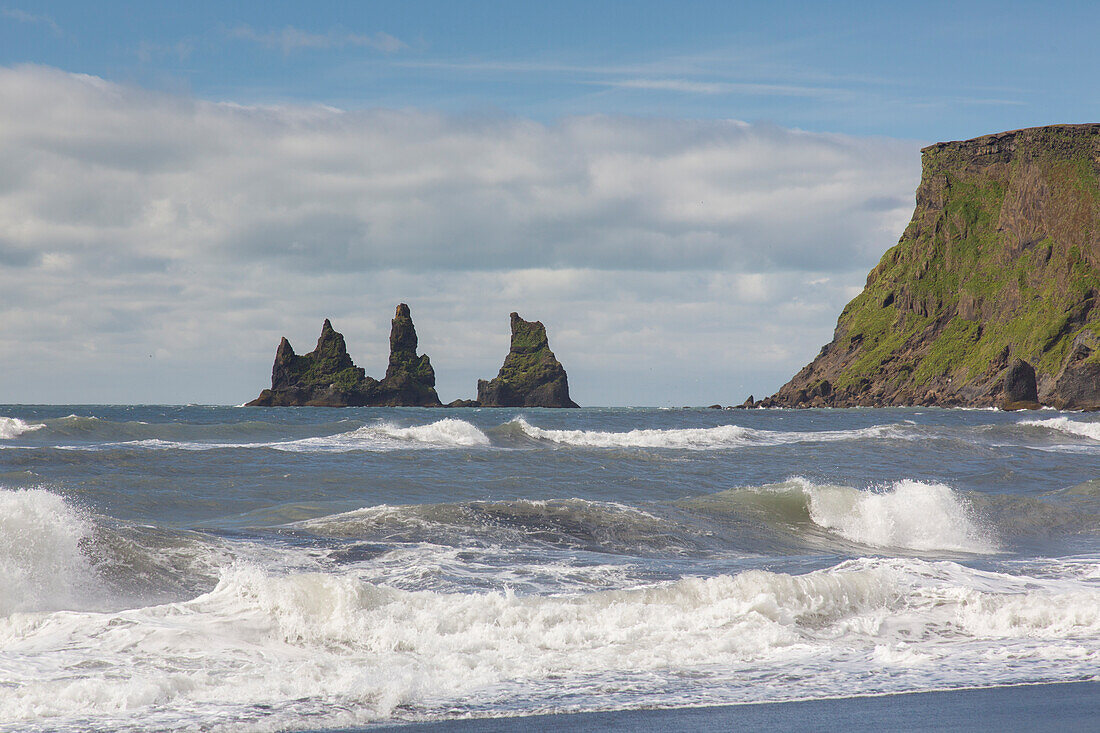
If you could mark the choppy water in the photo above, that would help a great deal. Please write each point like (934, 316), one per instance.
(271, 569)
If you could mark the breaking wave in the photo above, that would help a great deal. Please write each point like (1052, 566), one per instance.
(12, 427)
(723, 436)
(265, 651)
(909, 515)
(446, 433)
(41, 563)
(1079, 428)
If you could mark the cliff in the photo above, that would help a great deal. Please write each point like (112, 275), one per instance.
(531, 375)
(1000, 263)
(327, 377)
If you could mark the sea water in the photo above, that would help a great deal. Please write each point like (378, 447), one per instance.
(220, 568)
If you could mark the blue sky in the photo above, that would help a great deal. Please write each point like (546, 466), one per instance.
(687, 194)
(924, 71)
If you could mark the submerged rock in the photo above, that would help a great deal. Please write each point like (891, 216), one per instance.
(1002, 256)
(327, 377)
(531, 375)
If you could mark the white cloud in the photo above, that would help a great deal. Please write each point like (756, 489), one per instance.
(674, 261)
(23, 16)
(291, 39)
(692, 86)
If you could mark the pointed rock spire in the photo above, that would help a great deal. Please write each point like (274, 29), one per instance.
(409, 377)
(328, 377)
(531, 375)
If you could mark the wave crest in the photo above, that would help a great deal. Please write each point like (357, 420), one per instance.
(446, 433)
(1079, 428)
(909, 516)
(722, 436)
(13, 427)
(41, 563)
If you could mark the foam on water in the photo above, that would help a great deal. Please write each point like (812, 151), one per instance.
(723, 436)
(13, 427)
(1080, 428)
(910, 515)
(446, 433)
(264, 651)
(41, 564)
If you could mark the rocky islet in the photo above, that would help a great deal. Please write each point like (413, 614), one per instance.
(327, 377)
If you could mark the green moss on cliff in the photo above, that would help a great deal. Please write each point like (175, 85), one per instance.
(1001, 257)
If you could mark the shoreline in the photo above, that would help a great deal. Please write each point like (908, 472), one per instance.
(1072, 705)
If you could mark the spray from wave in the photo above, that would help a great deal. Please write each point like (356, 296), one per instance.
(908, 516)
(41, 563)
(13, 427)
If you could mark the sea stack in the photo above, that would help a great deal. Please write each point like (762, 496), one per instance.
(531, 375)
(1001, 259)
(410, 379)
(327, 377)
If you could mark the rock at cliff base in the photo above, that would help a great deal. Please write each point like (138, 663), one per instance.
(531, 375)
(1020, 390)
(1077, 386)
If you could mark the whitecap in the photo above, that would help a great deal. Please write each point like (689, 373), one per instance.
(1080, 428)
(722, 436)
(13, 427)
(910, 515)
(41, 565)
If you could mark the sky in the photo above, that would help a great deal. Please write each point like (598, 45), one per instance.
(686, 193)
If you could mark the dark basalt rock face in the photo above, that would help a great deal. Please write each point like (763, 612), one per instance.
(327, 377)
(1077, 386)
(1020, 390)
(410, 379)
(531, 375)
(1001, 257)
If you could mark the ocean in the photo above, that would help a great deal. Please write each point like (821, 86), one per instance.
(251, 569)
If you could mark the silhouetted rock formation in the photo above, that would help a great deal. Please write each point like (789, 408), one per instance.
(531, 375)
(327, 377)
(1002, 257)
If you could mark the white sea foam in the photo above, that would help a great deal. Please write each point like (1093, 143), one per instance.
(266, 651)
(722, 436)
(910, 515)
(446, 433)
(41, 565)
(13, 427)
(1079, 428)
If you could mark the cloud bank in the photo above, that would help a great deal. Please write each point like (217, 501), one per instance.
(155, 247)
